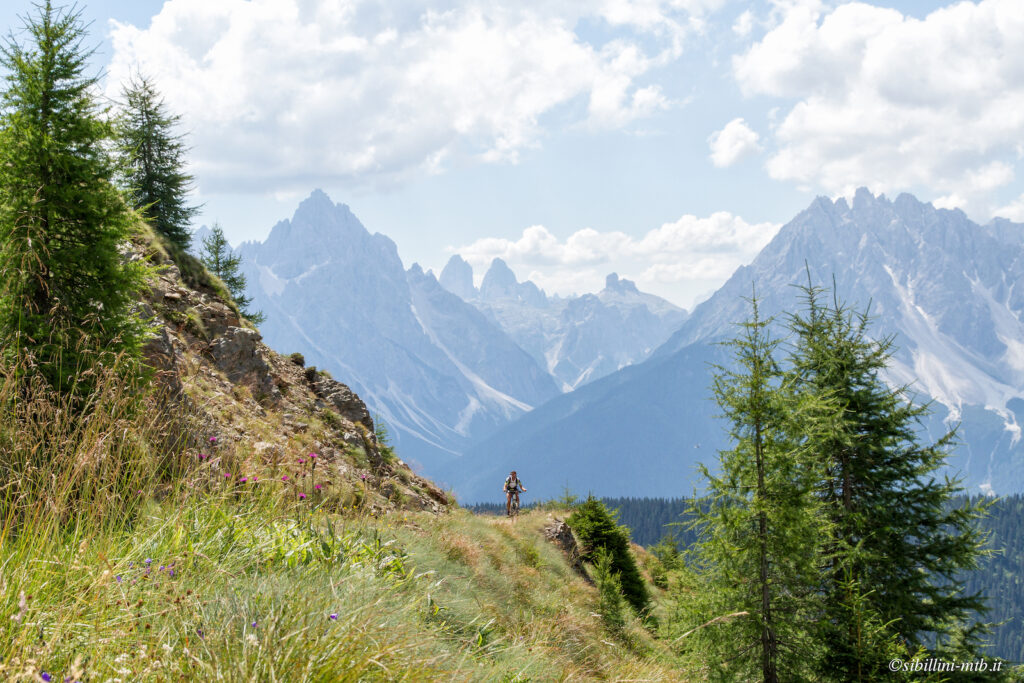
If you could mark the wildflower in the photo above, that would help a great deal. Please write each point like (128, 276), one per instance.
(254, 624)
(46, 677)
(161, 568)
(243, 480)
(363, 477)
(302, 496)
(172, 571)
(118, 578)
(203, 456)
(318, 487)
(227, 475)
(213, 439)
(312, 456)
(149, 560)
(284, 478)
(334, 617)
(301, 461)
(199, 632)
(254, 478)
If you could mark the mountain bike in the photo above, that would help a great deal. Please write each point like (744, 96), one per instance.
(513, 510)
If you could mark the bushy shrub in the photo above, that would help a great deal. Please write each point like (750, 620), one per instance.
(597, 529)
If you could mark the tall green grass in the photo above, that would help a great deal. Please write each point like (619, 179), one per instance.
(124, 556)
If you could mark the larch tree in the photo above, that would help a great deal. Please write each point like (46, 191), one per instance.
(67, 291)
(759, 524)
(218, 258)
(153, 161)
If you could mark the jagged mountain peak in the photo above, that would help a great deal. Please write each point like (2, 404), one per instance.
(946, 288)
(499, 281)
(613, 283)
(457, 278)
(430, 364)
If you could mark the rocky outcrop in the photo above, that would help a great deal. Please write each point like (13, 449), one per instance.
(344, 400)
(558, 532)
(228, 396)
(240, 356)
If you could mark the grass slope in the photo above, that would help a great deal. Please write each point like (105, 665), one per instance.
(237, 587)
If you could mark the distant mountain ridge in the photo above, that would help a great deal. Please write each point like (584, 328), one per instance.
(948, 288)
(577, 339)
(436, 370)
(442, 373)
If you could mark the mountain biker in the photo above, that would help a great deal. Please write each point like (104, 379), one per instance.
(512, 487)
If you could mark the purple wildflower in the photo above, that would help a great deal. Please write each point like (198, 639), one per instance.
(227, 475)
(46, 677)
(149, 560)
(284, 478)
(302, 496)
(312, 456)
(318, 487)
(199, 632)
(334, 617)
(213, 439)
(118, 578)
(254, 624)
(363, 477)
(243, 480)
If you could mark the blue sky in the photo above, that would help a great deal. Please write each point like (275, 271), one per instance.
(663, 139)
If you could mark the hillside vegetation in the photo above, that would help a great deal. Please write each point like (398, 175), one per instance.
(179, 502)
(242, 587)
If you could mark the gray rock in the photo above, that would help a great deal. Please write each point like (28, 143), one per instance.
(343, 399)
(240, 356)
(559, 533)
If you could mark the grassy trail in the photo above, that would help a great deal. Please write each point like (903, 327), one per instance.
(243, 588)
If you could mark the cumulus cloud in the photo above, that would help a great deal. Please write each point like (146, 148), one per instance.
(735, 141)
(279, 92)
(679, 260)
(1014, 210)
(893, 102)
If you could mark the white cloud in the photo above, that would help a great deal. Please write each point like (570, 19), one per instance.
(735, 141)
(284, 91)
(893, 102)
(1014, 210)
(744, 24)
(679, 260)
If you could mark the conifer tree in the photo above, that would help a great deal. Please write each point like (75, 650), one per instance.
(759, 524)
(153, 161)
(898, 548)
(218, 258)
(66, 290)
(598, 531)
